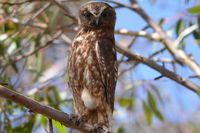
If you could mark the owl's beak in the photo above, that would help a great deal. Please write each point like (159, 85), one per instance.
(97, 21)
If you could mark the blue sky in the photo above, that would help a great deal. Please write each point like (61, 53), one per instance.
(181, 99)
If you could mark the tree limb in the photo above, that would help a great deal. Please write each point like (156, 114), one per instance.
(169, 44)
(153, 36)
(167, 73)
(70, 121)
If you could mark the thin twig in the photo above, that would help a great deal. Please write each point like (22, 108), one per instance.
(34, 51)
(50, 126)
(3, 83)
(66, 10)
(16, 3)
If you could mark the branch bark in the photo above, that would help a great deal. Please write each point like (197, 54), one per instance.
(167, 73)
(169, 44)
(70, 121)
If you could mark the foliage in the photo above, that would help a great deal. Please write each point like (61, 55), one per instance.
(35, 39)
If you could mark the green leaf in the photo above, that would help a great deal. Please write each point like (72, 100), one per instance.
(1, 49)
(10, 27)
(147, 112)
(151, 101)
(196, 35)
(157, 92)
(153, 107)
(25, 128)
(195, 9)
(60, 128)
(124, 102)
(120, 130)
(14, 66)
(42, 120)
(158, 115)
(198, 93)
(161, 21)
(180, 26)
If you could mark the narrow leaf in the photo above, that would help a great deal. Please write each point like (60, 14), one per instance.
(195, 9)
(147, 113)
(180, 26)
(125, 101)
(153, 107)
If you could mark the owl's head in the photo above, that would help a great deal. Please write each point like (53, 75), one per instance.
(97, 15)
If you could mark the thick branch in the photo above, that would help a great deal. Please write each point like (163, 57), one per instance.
(65, 119)
(169, 44)
(133, 56)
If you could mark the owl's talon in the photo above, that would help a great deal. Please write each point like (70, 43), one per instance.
(77, 119)
(101, 126)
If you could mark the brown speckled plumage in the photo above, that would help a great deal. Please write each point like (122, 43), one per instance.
(92, 65)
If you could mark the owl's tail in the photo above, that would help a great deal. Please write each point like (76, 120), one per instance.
(101, 117)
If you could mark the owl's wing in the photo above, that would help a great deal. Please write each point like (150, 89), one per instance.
(106, 55)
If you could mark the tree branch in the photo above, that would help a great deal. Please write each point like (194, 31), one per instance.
(16, 3)
(183, 34)
(167, 73)
(153, 36)
(70, 121)
(169, 44)
(66, 10)
(20, 57)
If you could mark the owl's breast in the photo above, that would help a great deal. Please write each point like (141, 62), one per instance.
(85, 63)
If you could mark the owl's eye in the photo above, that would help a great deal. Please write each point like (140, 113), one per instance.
(88, 15)
(105, 15)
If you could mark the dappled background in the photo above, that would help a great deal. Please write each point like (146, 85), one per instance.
(35, 39)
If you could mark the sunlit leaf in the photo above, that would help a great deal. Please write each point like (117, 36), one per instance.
(42, 120)
(60, 128)
(198, 93)
(124, 102)
(11, 48)
(195, 9)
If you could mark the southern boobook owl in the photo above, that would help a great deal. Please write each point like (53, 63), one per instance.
(92, 64)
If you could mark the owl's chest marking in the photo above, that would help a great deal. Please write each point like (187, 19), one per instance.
(87, 72)
(89, 101)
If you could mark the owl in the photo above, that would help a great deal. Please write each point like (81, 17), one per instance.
(92, 65)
